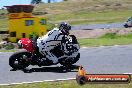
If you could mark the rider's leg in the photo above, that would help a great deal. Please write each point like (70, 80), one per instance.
(44, 49)
(51, 56)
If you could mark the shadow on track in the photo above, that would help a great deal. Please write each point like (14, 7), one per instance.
(57, 69)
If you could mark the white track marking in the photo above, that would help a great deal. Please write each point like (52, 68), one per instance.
(128, 73)
(38, 81)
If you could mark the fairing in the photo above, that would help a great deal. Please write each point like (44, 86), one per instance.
(27, 44)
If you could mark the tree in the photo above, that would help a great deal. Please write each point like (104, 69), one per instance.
(49, 1)
(36, 1)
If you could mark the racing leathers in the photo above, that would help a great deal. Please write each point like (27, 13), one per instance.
(48, 42)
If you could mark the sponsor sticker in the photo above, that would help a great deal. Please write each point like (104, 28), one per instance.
(83, 78)
(108, 78)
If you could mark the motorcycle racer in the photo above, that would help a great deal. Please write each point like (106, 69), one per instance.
(52, 39)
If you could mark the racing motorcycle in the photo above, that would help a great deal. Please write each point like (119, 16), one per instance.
(31, 55)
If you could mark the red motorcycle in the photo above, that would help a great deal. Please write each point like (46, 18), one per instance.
(31, 55)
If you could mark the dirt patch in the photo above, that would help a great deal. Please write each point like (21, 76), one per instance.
(99, 32)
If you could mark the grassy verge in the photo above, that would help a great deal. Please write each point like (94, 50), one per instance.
(68, 84)
(80, 12)
(107, 40)
(78, 18)
(81, 18)
(4, 50)
(87, 11)
(3, 24)
(92, 17)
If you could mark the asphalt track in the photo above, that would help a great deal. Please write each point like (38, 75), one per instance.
(108, 59)
(98, 26)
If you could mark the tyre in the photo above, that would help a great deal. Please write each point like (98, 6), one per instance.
(69, 61)
(81, 80)
(76, 58)
(18, 60)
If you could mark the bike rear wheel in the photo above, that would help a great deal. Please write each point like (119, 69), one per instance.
(19, 60)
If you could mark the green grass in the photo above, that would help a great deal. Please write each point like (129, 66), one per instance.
(3, 24)
(77, 12)
(92, 17)
(82, 18)
(4, 50)
(81, 12)
(3, 11)
(87, 11)
(108, 39)
(68, 84)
